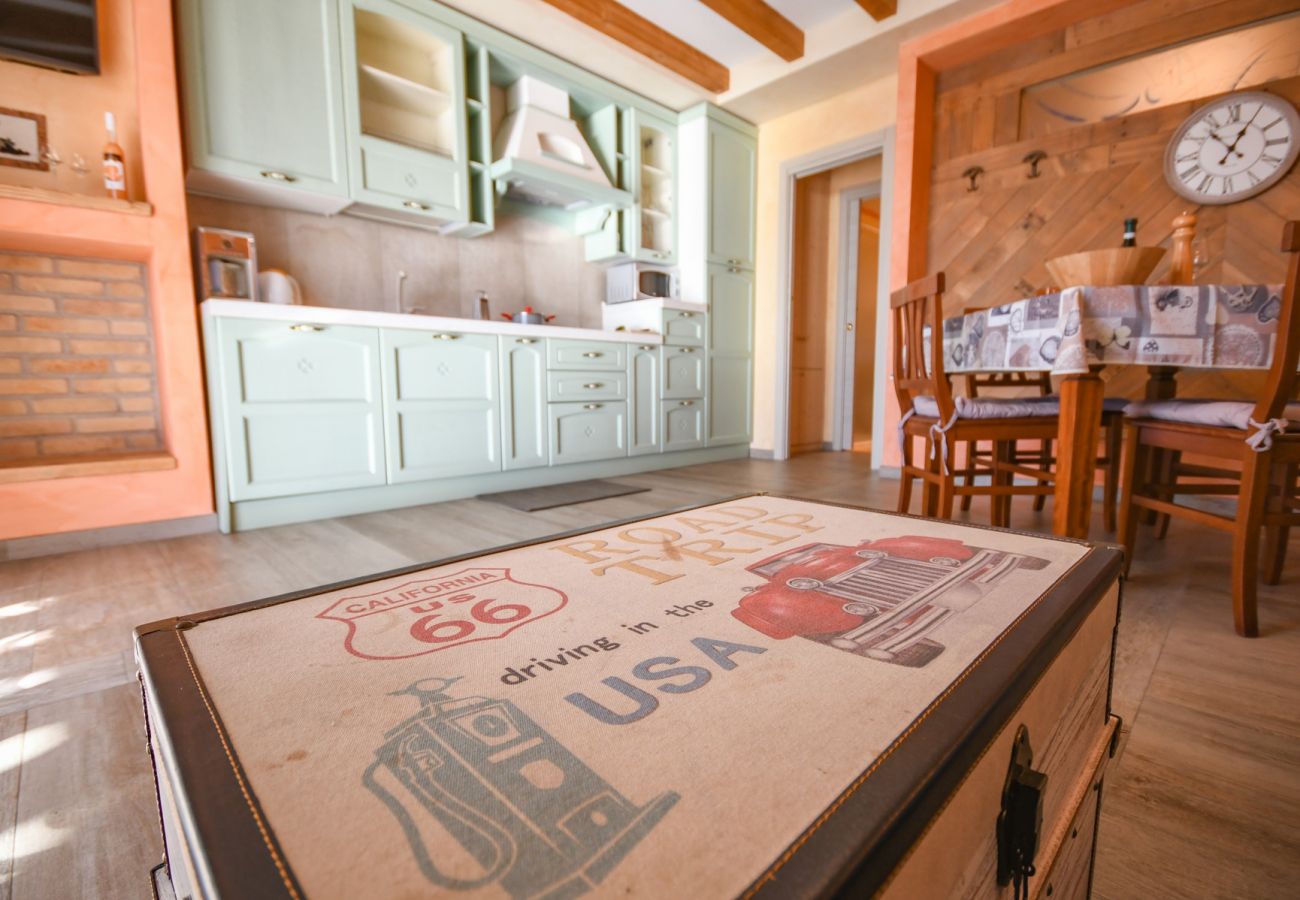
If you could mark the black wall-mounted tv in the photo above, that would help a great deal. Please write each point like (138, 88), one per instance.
(57, 34)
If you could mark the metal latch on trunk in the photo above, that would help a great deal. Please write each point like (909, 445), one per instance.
(1021, 817)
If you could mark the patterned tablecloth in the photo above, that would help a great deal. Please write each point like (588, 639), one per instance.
(1199, 326)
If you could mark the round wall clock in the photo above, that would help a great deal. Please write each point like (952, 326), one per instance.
(1233, 148)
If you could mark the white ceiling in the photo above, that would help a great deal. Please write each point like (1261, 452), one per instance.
(843, 47)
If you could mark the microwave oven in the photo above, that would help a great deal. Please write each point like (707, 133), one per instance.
(641, 281)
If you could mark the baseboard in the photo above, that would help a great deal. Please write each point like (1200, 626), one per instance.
(759, 453)
(72, 541)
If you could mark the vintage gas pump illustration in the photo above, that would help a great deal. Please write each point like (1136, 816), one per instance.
(535, 820)
(881, 599)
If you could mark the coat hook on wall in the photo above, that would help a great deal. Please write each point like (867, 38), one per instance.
(973, 173)
(1034, 157)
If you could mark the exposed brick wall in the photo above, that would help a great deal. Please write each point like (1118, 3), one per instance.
(77, 362)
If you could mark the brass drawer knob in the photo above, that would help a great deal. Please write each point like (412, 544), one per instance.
(593, 385)
(303, 326)
(415, 204)
(446, 337)
(646, 347)
(687, 403)
(592, 354)
(278, 176)
(592, 405)
(525, 340)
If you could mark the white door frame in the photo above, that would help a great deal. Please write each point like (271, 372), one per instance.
(877, 142)
(846, 292)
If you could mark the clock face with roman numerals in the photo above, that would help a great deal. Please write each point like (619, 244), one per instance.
(1234, 148)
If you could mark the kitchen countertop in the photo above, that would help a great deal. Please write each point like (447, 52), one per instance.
(328, 315)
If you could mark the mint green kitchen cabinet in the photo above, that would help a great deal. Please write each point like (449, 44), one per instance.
(683, 372)
(585, 387)
(585, 432)
(654, 168)
(263, 101)
(683, 424)
(643, 368)
(683, 327)
(586, 355)
(732, 185)
(300, 407)
(731, 361)
(524, 440)
(404, 107)
(442, 406)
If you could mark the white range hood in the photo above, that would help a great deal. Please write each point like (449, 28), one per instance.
(541, 156)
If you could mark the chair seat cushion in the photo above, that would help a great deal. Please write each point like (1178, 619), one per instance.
(1220, 413)
(1108, 404)
(991, 407)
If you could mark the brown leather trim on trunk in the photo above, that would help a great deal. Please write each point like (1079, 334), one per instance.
(233, 833)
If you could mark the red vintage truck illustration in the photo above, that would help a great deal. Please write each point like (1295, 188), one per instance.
(880, 599)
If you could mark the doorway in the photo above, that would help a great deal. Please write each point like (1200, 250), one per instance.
(833, 285)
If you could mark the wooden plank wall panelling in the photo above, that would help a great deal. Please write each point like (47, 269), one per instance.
(993, 243)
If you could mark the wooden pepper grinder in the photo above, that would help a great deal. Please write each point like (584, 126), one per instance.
(1181, 268)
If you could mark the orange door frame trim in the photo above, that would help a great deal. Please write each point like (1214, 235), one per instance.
(919, 63)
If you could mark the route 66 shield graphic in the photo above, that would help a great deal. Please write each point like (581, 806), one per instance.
(425, 615)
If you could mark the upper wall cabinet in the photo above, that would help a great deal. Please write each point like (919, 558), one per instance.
(263, 101)
(656, 188)
(404, 99)
(717, 184)
(732, 177)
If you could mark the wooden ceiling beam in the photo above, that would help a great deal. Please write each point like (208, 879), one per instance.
(648, 39)
(879, 9)
(763, 24)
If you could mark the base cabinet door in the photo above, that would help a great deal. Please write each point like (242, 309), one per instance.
(643, 434)
(523, 403)
(301, 408)
(683, 424)
(442, 408)
(731, 361)
(683, 376)
(583, 432)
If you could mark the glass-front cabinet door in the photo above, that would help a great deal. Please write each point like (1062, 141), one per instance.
(656, 188)
(404, 79)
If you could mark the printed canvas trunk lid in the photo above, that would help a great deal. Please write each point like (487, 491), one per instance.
(680, 706)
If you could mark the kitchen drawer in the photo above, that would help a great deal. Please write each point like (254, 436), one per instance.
(287, 362)
(582, 432)
(584, 386)
(563, 354)
(683, 328)
(419, 182)
(683, 372)
(682, 424)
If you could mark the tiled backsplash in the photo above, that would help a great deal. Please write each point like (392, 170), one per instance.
(344, 261)
(76, 358)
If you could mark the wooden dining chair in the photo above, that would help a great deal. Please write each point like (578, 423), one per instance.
(932, 415)
(1252, 435)
(1112, 429)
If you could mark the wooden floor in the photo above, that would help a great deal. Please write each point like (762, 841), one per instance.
(1204, 800)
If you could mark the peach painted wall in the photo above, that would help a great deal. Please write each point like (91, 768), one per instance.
(161, 242)
(861, 111)
(74, 107)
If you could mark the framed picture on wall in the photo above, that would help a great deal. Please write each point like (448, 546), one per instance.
(22, 135)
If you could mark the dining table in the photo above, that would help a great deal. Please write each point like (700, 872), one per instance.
(1077, 331)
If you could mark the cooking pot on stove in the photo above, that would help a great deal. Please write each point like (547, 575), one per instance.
(527, 317)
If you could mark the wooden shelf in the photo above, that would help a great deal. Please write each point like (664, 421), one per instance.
(48, 468)
(81, 201)
(395, 90)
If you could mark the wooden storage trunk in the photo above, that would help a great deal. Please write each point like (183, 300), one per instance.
(764, 697)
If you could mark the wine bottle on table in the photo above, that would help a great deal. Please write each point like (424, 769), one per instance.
(1130, 233)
